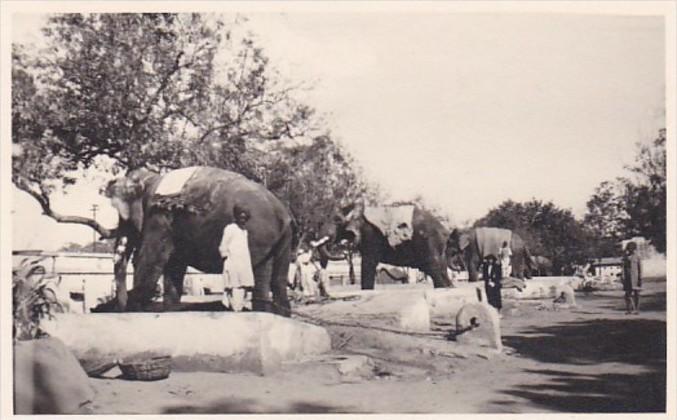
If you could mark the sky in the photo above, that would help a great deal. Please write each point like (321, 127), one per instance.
(466, 110)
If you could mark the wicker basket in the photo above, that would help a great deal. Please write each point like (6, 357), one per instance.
(151, 369)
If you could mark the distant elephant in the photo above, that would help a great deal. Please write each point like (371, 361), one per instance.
(405, 236)
(176, 220)
(542, 266)
(468, 250)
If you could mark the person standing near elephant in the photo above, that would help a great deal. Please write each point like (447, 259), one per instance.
(491, 271)
(238, 276)
(632, 278)
(504, 255)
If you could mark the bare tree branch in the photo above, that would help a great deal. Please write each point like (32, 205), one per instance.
(43, 200)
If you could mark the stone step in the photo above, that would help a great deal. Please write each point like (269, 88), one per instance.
(197, 341)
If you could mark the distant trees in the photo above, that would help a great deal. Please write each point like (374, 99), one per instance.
(633, 206)
(163, 91)
(619, 209)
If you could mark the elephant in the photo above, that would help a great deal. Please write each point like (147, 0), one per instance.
(542, 266)
(177, 219)
(467, 250)
(421, 242)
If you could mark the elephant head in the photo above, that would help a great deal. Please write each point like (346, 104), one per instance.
(345, 227)
(126, 195)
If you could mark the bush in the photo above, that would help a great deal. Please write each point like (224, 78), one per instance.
(33, 299)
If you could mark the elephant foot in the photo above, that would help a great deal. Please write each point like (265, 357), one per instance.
(282, 309)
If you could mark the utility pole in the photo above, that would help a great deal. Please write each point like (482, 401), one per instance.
(94, 209)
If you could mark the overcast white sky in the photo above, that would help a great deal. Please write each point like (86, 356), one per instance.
(465, 109)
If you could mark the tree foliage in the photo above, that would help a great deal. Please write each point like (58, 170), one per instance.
(315, 180)
(636, 206)
(163, 91)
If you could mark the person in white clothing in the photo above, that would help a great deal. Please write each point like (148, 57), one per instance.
(306, 271)
(504, 255)
(238, 276)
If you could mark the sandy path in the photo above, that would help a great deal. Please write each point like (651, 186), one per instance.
(590, 359)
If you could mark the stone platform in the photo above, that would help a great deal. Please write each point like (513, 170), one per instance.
(197, 341)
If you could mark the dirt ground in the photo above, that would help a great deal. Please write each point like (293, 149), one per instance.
(592, 358)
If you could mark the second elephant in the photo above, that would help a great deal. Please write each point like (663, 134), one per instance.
(469, 248)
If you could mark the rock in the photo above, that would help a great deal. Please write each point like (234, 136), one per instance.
(479, 324)
(447, 302)
(540, 288)
(197, 341)
(405, 310)
(333, 368)
(48, 379)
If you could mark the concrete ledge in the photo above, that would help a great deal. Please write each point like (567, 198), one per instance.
(542, 288)
(403, 311)
(441, 301)
(209, 341)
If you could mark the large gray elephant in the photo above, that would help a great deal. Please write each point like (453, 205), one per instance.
(468, 249)
(403, 235)
(176, 220)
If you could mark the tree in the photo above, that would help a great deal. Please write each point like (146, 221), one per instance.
(316, 180)
(606, 217)
(155, 90)
(631, 207)
(646, 197)
(548, 230)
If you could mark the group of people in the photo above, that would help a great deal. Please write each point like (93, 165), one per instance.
(238, 276)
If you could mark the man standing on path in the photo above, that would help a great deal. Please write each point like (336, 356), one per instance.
(632, 278)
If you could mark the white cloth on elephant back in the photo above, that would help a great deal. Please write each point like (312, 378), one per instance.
(173, 182)
(394, 221)
(237, 268)
(490, 240)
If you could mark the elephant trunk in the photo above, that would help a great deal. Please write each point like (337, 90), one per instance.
(324, 252)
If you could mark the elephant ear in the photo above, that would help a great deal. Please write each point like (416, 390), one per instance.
(126, 195)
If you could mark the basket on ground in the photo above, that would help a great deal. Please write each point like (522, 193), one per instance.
(151, 369)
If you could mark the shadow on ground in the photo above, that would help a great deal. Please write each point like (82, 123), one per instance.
(633, 345)
(248, 406)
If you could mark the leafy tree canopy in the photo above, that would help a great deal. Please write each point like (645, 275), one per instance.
(165, 91)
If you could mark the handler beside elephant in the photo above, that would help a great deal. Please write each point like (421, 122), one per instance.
(468, 249)
(176, 219)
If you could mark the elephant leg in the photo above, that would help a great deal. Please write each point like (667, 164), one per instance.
(368, 271)
(120, 272)
(261, 301)
(152, 257)
(279, 275)
(472, 270)
(438, 272)
(173, 276)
